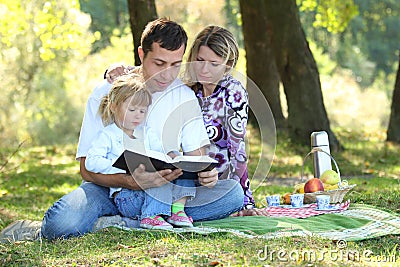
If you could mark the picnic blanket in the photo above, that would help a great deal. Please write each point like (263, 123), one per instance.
(357, 222)
(305, 211)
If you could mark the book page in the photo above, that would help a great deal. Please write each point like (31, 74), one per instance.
(194, 159)
(153, 161)
(156, 155)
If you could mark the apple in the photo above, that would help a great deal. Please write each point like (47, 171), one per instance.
(330, 177)
(313, 185)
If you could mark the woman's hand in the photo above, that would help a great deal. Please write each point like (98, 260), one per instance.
(209, 178)
(250, 212)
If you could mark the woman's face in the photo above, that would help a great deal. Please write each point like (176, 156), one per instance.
(209, 67)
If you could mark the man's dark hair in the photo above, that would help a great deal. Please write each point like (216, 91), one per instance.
(168, 34)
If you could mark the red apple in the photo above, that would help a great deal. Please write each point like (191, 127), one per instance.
(313, 185)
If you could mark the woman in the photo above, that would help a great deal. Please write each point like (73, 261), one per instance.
(224, 103)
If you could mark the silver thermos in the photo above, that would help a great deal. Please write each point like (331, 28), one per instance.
(322, 161)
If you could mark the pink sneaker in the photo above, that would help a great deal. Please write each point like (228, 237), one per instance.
(180, 219)
(155, 223)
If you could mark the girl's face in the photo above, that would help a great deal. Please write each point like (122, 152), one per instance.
(129, 116)
(209, 68)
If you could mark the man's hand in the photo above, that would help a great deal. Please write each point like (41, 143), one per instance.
(143, 179)
(250, 212)
(209, 178)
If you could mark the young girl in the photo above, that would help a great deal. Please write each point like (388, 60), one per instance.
(122, 111)
(224, 102)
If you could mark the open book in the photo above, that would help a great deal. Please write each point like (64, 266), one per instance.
(154, 161)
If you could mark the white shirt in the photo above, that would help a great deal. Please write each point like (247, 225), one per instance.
(176, 117)
(111, 142)
(91, 124)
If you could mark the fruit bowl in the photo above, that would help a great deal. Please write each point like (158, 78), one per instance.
(336, 195)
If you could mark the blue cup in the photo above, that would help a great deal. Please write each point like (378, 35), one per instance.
(297, 200)
(273, 200)
(323, 202)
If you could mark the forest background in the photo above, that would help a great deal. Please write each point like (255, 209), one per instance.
(54, 53)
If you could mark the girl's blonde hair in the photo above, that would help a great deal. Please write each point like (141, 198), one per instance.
(123, 87)
(220, 41)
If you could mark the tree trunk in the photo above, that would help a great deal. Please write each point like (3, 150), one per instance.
(261, 67)
(393, 132)
(298, 72)
(140, 13)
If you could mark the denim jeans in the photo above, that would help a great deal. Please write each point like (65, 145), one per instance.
(156, 200)
(75, 213)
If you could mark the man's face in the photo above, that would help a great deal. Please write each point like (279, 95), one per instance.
(160, 66)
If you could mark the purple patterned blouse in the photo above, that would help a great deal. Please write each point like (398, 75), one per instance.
(225, 115)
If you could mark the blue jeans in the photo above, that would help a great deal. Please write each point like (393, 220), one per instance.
(156, 200)
(75, 213)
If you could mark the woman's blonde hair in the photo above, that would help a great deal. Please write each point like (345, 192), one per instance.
(123, 87)
(220, 41)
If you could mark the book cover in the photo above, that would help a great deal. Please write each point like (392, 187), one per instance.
(154, 161)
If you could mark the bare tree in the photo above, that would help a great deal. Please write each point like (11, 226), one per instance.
(298, 72)
(261, 67)
(393, 131)
(140, 13)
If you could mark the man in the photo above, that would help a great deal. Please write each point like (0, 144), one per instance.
(163, 44)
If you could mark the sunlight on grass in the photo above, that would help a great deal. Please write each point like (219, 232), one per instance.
(63, 189)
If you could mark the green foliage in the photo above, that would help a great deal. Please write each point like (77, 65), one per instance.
(360, 35)
(333, 15)
(350, 56)
(38, 39)
(58, 26)
(109, 18)
(326, 65)
(233, 19)
(376, 33)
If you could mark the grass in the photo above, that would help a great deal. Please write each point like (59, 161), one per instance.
(34, 178)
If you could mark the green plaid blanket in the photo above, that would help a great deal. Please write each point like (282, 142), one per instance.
(359, 222)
